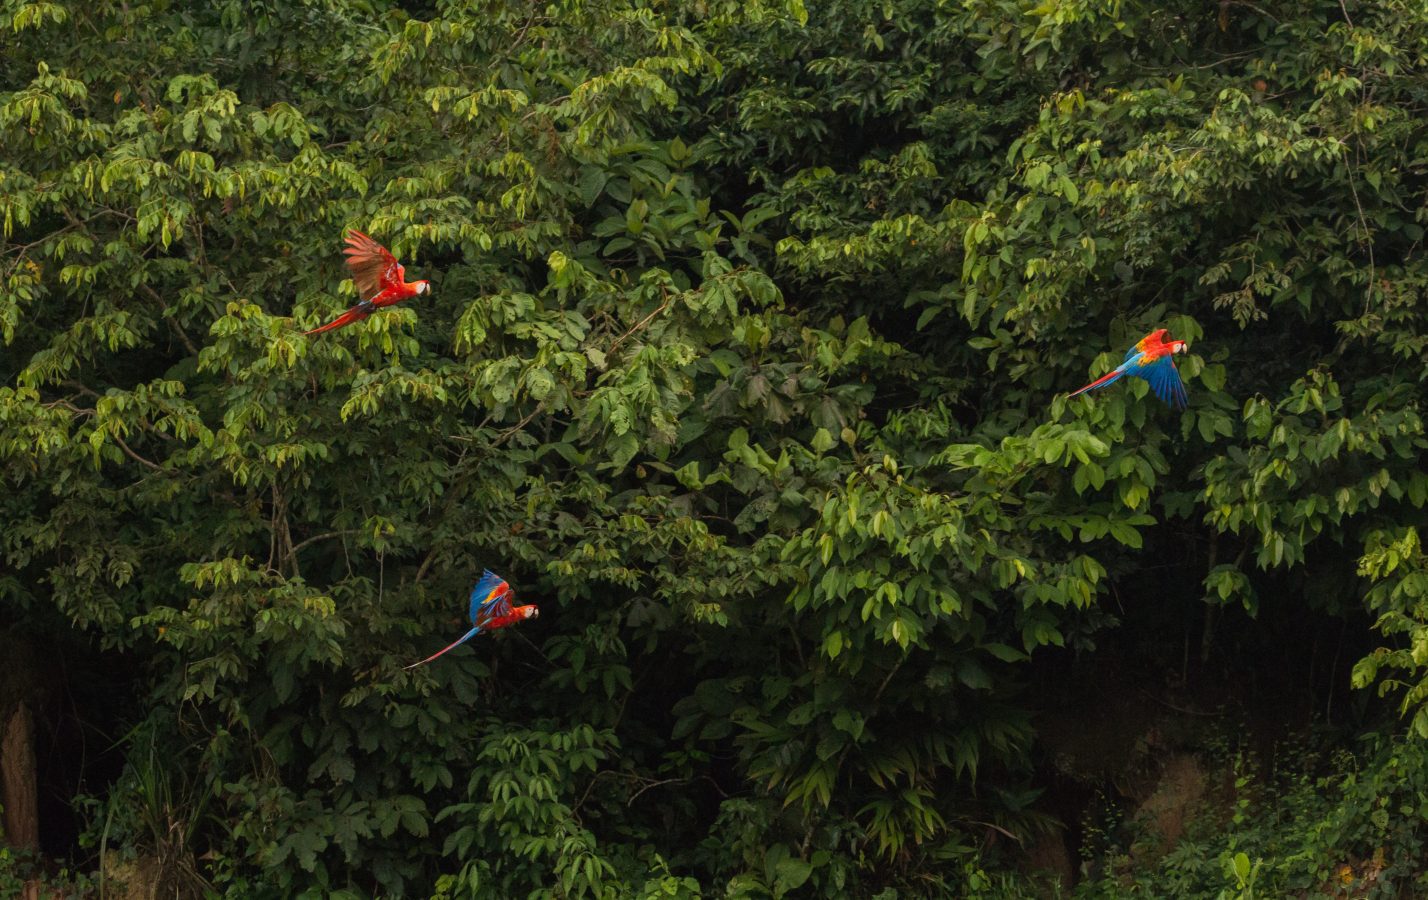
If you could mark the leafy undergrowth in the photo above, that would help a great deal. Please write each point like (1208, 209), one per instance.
(748, 359)
(1312, 823)
(20, 869)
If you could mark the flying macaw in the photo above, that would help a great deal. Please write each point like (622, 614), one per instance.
(491, 609)
(379, 279)
(1152, 358)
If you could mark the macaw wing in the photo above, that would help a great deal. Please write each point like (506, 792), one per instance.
(490, 597)
(374, 268)
(1154, 339)
(1165, 381)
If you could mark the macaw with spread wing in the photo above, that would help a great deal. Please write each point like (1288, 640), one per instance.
(491, 609)
(1152, 358)
(380, 279)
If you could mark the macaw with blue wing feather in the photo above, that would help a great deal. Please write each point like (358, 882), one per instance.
(491, 610)
(1152, 358)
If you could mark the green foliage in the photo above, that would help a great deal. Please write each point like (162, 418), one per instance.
(744, 359)
(10, 879)
(171, 807)
(1337, 825)
(19, 869)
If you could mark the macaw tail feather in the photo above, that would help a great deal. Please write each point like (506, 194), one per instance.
(335, 323)
(452, 646)
(346, 318)
(1109, 378)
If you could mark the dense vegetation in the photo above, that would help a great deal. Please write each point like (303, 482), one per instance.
(746, 359)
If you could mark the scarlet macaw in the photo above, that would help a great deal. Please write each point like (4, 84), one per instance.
(379, 279)
(1152, 358)
(490, 610)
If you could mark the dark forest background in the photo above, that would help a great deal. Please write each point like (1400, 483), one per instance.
(746, 359)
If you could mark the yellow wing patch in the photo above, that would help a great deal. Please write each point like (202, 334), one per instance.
(1155, 337)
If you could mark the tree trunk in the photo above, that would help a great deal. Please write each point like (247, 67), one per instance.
(18, 791)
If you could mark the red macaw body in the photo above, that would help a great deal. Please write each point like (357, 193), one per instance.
(380, 279)
(491, 610)
(1152, 358)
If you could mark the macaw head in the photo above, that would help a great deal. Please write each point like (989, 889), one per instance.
(423, 286)
(530, 612)
(1177, 347)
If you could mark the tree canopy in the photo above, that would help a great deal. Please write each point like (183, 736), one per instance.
(746, 359)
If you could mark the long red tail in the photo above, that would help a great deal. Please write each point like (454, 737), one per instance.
(1100, 382)
(346, 318)
(452, 646)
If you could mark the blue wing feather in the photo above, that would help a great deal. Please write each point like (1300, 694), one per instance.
(482, 601)
(1165, 381)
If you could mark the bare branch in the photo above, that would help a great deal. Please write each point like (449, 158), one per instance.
(322, 537)
(134, 456)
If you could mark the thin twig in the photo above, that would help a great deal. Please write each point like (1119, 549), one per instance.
(884, 686)
(994, 828)
(653, 784)
(1179, 709)
(322, 537)
(134, 456)
(182, 335)
(1367, 240)
(425, 564)
(65, 404)
(533, 646)
(514, 429)
(177, 328)
(637, 326)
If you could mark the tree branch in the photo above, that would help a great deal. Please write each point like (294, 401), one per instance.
(637, 326)
(322, 537)
(134, 456)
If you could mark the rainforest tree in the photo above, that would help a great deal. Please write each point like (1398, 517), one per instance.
(745, 356)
